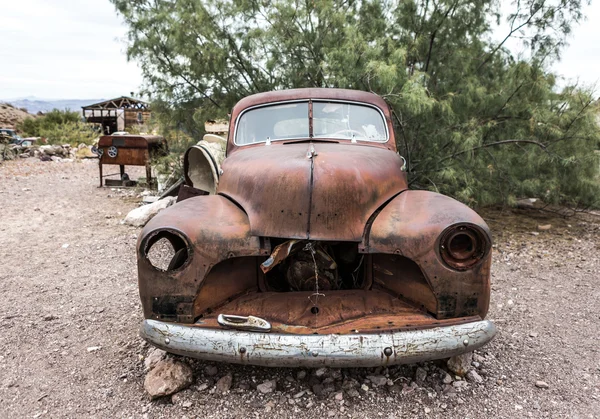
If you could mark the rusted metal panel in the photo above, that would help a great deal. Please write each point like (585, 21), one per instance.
(272, 184)
(353, 350)
(217, 230)
(411, 226)
(329, 196)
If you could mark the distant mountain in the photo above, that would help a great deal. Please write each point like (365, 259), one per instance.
(35, 105)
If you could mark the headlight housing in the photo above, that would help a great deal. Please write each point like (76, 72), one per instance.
(462, 246)
(167, 250)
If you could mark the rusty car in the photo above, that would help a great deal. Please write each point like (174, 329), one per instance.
(306, 247)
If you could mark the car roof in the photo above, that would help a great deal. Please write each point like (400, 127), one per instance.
(311, 93)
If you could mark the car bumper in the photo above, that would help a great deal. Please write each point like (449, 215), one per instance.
(287, 350)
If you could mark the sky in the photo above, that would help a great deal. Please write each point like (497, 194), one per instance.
(75, 49)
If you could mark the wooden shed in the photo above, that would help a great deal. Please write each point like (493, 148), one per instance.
(117, 114)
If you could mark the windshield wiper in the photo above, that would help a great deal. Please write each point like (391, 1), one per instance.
(311, 140)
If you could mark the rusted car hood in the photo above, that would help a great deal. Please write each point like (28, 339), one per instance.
(318, 191)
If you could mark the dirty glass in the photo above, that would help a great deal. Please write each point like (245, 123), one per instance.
(277, 122)
(348, 121)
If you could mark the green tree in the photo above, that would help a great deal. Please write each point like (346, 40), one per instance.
(472, 120)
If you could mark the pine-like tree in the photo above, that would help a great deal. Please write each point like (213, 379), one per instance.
(472, 120)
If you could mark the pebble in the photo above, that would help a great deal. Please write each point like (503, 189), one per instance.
(420, 375)
(379, 380)
(447, 379)
(321, 372)
(339, 396)
(267, 387)
(301, 375)
(474, 377)
(460, 364)
(541, 384)
(211, 370)
(224, 383)
(94, 348)
(364, 388)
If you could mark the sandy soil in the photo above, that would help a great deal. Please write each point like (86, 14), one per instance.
(70, 312)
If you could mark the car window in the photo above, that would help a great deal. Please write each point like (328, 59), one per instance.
(348, 121)
(276, 122)
(339, 120)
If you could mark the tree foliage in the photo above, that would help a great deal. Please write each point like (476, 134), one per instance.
(471, 119)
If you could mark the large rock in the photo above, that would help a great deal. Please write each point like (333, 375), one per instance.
(141, 215)
(460, 364)
(155, 355)
(168, 377)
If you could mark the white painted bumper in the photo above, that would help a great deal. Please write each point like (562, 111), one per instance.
(287, 350)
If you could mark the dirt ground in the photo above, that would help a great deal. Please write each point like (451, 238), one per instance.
(69, 318)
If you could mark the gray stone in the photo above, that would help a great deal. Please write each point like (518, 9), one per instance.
(154, 356)
(420, 375)
(211, 370)
(301, 375)
(447, 379)
(541, 384)
(474, 377)
(460, 364)
(377, 380)
(224, 384)
(267, 387)
(321, 372)
(168, 377)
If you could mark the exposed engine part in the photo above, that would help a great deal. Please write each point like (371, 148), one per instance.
(291, 266)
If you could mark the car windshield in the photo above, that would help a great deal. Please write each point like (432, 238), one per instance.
(338, 120)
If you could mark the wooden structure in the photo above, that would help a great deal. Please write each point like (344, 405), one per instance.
(131, 150)
(117, 114)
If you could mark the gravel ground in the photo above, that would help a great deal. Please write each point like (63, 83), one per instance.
(70, 312)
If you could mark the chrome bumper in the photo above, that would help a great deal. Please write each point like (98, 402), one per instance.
(286, 350)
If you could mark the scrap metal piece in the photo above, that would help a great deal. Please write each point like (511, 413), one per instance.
(249, 323)
(280, 253)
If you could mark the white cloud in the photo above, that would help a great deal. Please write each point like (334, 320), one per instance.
(74, 49)
(64, 49)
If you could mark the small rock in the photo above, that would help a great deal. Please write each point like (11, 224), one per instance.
(427, 410)
(476, 364)
(447, 379)
(168, 377)
(378, 380)
(420, 375)
(155, 355)
(202, 386)
(224, 383)
(267, 387)
(541, 384)
(460, 364)
(138, 217)
(364, 388)
(478, 358)
(49, 317)
(301, 375)
(94, 348)
(318, 389)
(474, 377)
(299, 394)
(544, 227)
(211, 370)
(339, 396)
(64, 246)
(533, 334)
(321, 372)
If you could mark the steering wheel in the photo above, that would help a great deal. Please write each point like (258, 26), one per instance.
(361, 134)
